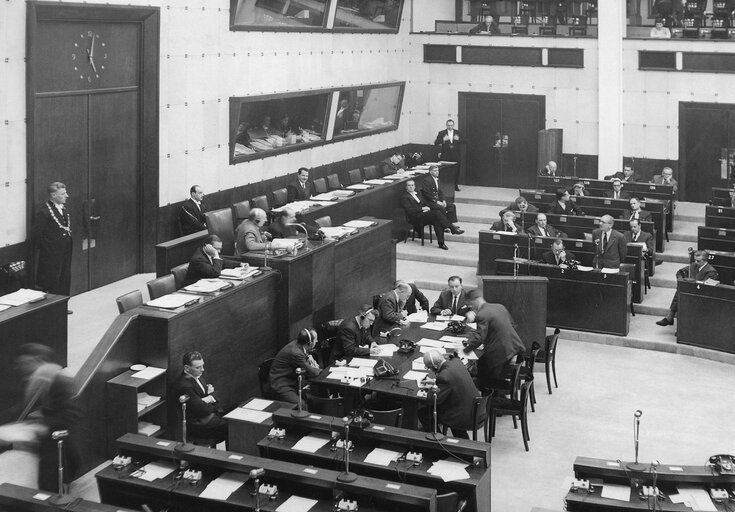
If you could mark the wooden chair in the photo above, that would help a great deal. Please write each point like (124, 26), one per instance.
(129, 301)
(328, 406)
(393, 417)
(477, 404)
(517, 409)
(161, 286)
(529, 362)
(320, 185)
(324, 222)
(549, 358)
(419, 228)
(240, 212)
(219, 222)
(333, 182)
(179, 273)
(261, 202)
(264, 370)
(355, 176)
(372, 172)
(280, 197)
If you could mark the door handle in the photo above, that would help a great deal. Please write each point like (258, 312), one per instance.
(94, 217)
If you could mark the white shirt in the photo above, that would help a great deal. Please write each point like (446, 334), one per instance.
(450, 134)
(415, 196)
(198, 203)
(59, 207)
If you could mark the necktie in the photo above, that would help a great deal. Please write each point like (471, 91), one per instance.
(557, 258)
(635, 237)
(508, 228)
(604, 241)
(454, 305)
(543, 232)
(201, 385)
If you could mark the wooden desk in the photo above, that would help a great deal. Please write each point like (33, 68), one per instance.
(716, 239)
(118, 487)
(42, 322)
(477, 487)
(724, 262)
(582, 301)
(498, 245)
(15, 498)
(706, 316)
(719, 217)
(244, 435)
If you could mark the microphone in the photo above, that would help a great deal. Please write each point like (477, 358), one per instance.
(636, 466)
(59, 434)
(60, 498)
(183, 446)
(346, 476)
(435, 436)
(256, 474)
(306, 233)
(183, 399)
(638, 413)
(299, 413)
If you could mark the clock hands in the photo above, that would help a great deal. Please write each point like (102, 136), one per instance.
(90, 55)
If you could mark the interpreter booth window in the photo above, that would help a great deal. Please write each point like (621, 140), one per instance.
(264, 126)
(367, 14)
(366, 110)
(286, 14)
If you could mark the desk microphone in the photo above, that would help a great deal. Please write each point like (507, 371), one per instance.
(435, 436)
(255, 475)
(346, 476)
(300, 413)
(306, 233)
(691, 260)
(183, 446)
(60, 498)
(636, 466)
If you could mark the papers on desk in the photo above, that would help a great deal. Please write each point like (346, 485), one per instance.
(207, 286)
(343, 193)
(472, 325)
(309, 444)
(425, 349)
(387, 350)
(357, 224)
(3, 307)
(147, 429)
(696, 498)
(362, 362)
(146, 400)
(258, 404)
(616, 492)
(337, 372)
(609, 270)
(434, 326)
(173, 301)
(394, 177)
(20, 297)
(326, 196)
(239, 273)
(337, 232)
(251, 415)
(447, 162)
(154, 471)
(582, 268)
(377, 182)
(447, 318)
(449, 471)
(418, 316)
(382, 457)
(221, 488)
(415, 375)
(426, 342)
(296, 504)
(453, 339)
(418, 364)
(149, 373)
(358, 186)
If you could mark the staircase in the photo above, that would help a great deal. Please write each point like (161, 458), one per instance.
(477, 207)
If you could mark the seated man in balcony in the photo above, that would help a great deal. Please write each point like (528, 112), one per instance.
(487, 26)
(659, 31)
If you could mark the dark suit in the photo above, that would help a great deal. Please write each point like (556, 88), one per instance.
(54, 246)
(448, 149)
(191, 218)
(201, 267)
(643, 237)
(546, 172)
(352, 341)
(431, 194)
(659, 180)
(613, 254)
(416, 215)
(496, 330)
(445, 302)
(282, 379)
(202, 419)
(698, 274)
(389, 313)
(643, 215)
(416, 295)
(454, 399)
(549, 258)
(621, 176)
(550, 230)
(555, 207)
(513, 207)
(388, 167)
(499, 225)
(295, 192)
(611, 194)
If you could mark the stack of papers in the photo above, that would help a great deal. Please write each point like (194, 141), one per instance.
(453, 339)
(337, 232)
(387, 350)
(207, 286)
(221, 488)
(426, 342)
(394, 177)
(20, 297)
(146, 400)
(418, 364)
(358, 224)
(377, 182)
(609, 270)
(258, 404)
(362, 362)
(3, 307)
(245, 414)
(359, 186)
(154, 471)
(309, 444)
(147, 429)
(149, 373)
(448, 470)
(326, 196)
(442, 318)
(694, 497)
(173, 301)
(239, 272)
(418, 316)
(434, 326)
(338, 372)
(382, 457)
(296, 504)
(615, 492)
(343, 193)
(415, 375)
(425, 349)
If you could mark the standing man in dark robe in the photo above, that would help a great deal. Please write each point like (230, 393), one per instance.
(447, 143)
(51, 235)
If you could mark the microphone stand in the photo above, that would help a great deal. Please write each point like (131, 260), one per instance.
(691, 261)
(515, 261)
(636, 466)
(346, 476)
(265, 266)
(306, 234)
(60, 498)
(300, 413)
(183, 446)
(255, 474)
(435, 436)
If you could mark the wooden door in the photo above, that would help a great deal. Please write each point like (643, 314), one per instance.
(90, 89)
(706, 149)
(480, 118)
(522, 119)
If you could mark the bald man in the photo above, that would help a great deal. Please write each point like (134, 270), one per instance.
(549, 169)
(248, 236)
(542, 228)
(610, 245)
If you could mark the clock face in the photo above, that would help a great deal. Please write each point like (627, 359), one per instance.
(89, 56)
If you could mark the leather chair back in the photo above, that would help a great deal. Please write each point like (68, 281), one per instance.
(320, 185)
(219, 222)
(355, 176)
(261, 202)
(129, 301)
(280, 197)
(179, 273)
(240, 212)
(161, 286)
(333, 182)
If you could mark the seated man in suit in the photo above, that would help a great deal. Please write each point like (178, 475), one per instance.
(390, 309)
(282, 227)
(416, 296)
(611, 247)
(394, 164)
(418, 211)
(453, 301)
(549, 169)
(617, 190)
(563, 205)
(700, 270)
(627, 176)
(520, 205)
(496, 331)
(542, 228)
(203, 410)
(301, 189)
(666, 178)
(283, 379)
(638, 236)
(206, 262)
(248, 236)
(578, 190)
(558, 255)
(354, 338)
(455, 395)
(506, 223)
(191, 216)
(434, 197)
(636, 212)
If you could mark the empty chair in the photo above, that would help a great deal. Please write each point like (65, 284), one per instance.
(219, 222)
(261, 202)
(333, 182)
(549, 357)
(529, 362)
(129, 301)
(179, 273)
(161, 286)
(514, 408)
(240, 212)
(372, 172)
(264, 370)
(328, 406)
(355, 176)
(279, 197)
(320, 185)
(324, 222)
(393, 417)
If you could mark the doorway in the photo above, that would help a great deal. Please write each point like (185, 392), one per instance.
(501, 132)
(706, 149)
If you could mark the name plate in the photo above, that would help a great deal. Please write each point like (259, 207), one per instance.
(563, 218)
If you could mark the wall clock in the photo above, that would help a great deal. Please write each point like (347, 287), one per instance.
(89, 55)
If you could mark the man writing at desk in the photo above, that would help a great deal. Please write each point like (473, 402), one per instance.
(353, 337)
(283, 379)
(390, 309)
(248, 236)
(700, 270)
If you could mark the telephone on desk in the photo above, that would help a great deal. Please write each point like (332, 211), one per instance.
(723, 463)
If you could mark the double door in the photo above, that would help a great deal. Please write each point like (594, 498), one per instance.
(501, 135)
